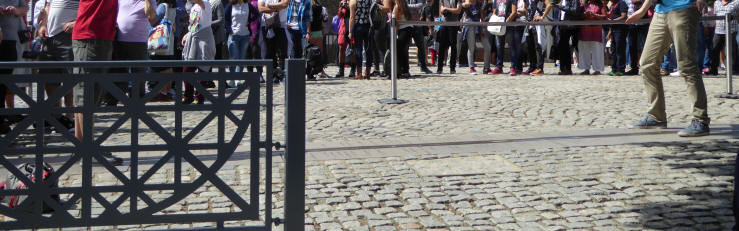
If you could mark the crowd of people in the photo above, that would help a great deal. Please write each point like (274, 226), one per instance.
(80, 30)
(588, 46)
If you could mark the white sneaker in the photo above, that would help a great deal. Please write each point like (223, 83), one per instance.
(675, 74)
(230, 83)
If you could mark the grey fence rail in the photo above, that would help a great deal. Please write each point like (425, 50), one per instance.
(547, 22)
(178, 148)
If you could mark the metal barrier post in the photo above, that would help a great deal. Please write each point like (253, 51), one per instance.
(295, 149)
(393, 64)
(729, 59)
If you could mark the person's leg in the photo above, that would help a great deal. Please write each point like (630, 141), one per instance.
(531, 49)
(280, 41)
(563, 48)
(342, 61)
(297, 40)
(358, 48)
(718, 45)
(500, 51)
(709, 47)
(633, 52)
(583, 55)
(243, 45)
(516, 38)
(452, 35)
(657, 43)
(485, 40)
(620, 38)
(233, 52)
(684, 25)
(420, 46)
(443, 40)
(404, 38)
(471, 48)
(598, 57)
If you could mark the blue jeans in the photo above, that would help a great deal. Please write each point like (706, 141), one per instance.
(669, 63)
(361, 43)
(237, 46)
(705, 44)
(513, 34)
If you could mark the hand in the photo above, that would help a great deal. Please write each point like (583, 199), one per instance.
(42, 32)
(700, 4)
(307, 36)
(11, 10)
(636, 16)
(350, 36)
(68, 27)
(184, 38)
(537, 18)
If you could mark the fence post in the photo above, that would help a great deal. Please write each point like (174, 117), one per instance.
(393, 64)
(295, 149)
(729, 60)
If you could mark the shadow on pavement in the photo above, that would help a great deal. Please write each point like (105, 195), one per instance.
(703, 199)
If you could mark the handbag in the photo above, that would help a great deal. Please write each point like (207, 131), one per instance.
(349, 51)
(24, 35)
(335, 23)
(160, 37)
(496, 30)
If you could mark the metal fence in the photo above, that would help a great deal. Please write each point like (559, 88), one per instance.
(131, 200)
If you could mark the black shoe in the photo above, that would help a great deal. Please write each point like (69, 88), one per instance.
(4, 127)
(438, 71)
(340, 74)
(383, 74)
(648, 123)
(112, 159)
(66, 122)
(426, 70)
(696, 128)
(452, 71)
(632, 72)
(13, 119)
(565, 73)
(586, 72)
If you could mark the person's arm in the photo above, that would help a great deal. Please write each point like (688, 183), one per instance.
(43, 31)
(457, 10)
(228, 15)
(283, 4)
(219, 15)
(263, 8)
(150, 12)
(200, 3)
(602, 14)
(637, 15)
(524, 10)
(387, 6)
(512, 16)
(623, 13)
(18, 11)
(352, 12)
(546, 11)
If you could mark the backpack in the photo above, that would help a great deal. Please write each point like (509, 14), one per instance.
(378, 18)
(13, 182)
(313, 58)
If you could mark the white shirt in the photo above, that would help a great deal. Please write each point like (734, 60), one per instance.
(240, 19)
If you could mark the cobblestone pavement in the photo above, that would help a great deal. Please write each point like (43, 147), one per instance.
(683, 184)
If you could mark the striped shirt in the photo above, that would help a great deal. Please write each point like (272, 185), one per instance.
(721, 9)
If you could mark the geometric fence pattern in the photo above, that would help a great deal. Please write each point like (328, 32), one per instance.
(239, 108)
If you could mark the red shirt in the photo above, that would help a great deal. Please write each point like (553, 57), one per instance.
(96, 20)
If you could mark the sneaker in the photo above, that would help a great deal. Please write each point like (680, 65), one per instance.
(230, 84)
(696, 128)
(513, 72)
(452, 71)
(648, 123)
(497, 71)
(705, 70)
(472, 71)
(537, 72)
(675, 74)
(423, 69)
(596, 73)
(565, 73)
(664, 72)
(486, 71)
(586, 72)
(612, 73)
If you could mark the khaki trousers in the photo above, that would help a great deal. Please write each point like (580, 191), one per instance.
(679, 27)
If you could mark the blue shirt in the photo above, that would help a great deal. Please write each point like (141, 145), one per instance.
(670, 5)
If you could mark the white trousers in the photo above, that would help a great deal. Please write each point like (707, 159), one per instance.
(590, 54)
